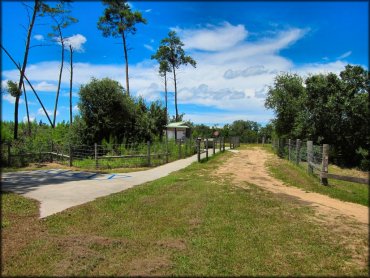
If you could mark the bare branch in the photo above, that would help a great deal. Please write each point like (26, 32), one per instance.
(29, 83)
(37, 45)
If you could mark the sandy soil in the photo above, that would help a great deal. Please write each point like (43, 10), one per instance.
(249, 165)
(349, 222)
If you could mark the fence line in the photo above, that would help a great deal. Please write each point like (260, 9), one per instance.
(316, 157)
(109, 156)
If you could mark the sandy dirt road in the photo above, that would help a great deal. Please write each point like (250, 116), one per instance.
(348, 222)
(250, 166)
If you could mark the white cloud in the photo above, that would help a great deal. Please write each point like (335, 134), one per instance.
(220, 118)
(231, 78)
(149, 47)
(43, 86)
(75, 109)
(32, 118)
(250, 71)
(344, 55)
(148, 10)
(10, 99)
(76, 41)
(50, 112)
(38, 37)
(213, 38)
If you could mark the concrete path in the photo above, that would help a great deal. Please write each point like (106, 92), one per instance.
(58, 189)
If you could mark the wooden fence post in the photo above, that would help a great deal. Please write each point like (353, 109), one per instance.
(230, 138)
(289, 148)
(214, 145)
(70, 155)
(309, 157)
(9, 155)
(51, 151)
(166, 148)
(324, 165)
(96, 155)
(263, 140)
(198, 149)
(207, 148)
(180, 149)
(298, 150)
(148, 143)
(223, 144)
(219, 139)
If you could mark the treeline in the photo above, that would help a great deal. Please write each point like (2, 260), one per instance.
(119, 21)
(325, 108)
(248, 131)
(108, 115)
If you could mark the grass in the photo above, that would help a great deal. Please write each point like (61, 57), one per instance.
(188, 223)
(295, 175)
(114, 165)
(47, 166)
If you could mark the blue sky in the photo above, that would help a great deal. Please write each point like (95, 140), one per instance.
(239, 47)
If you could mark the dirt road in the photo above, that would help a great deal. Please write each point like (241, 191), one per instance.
(249, 165)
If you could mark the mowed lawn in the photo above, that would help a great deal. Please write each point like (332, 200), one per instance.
(189, 223)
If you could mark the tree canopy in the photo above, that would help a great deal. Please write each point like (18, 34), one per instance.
(325, 108)
(119, 20)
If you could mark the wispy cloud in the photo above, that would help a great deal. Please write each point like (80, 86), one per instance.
(149, 47)
(213, 38)
(10, 99)
(38, 37)
(344, 55)
(232, 71)
(41, 112)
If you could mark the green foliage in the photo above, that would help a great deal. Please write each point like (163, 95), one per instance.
(247, 130)
(171, 55)
(107, 112)
(328, 109)
(171, 49)
(13, 89)
(119, 19)
(202, 131)
(105, 109)
(285, 97)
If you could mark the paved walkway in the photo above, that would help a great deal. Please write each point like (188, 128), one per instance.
(58, 189)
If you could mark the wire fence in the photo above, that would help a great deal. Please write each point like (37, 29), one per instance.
(314, 157)
(107, 156)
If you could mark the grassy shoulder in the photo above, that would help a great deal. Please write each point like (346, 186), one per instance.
(188, 223)
(294, 175)
(48, 166)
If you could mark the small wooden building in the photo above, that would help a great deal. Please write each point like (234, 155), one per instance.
(178, 130)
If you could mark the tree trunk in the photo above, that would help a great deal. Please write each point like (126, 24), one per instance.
(70, 87)
(165, 96)
(25, 58)
(28, 114)
(29, 83)
(60, 77)
(16, 117)
(174, 79)
(126, 61)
